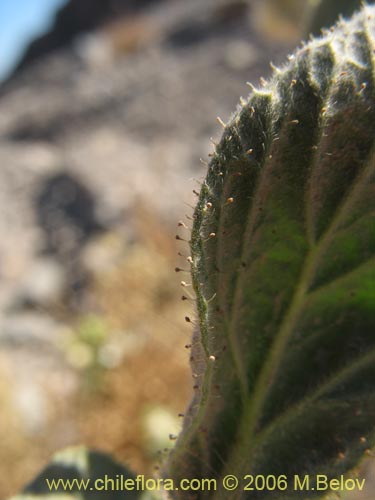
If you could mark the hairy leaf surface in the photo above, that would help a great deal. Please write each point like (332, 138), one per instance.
(283, 249)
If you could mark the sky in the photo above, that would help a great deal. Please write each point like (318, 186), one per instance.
(20, 22)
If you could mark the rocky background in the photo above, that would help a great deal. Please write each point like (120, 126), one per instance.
(102, 127)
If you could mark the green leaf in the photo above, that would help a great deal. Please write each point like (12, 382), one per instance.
(283, 266)
(82, 467)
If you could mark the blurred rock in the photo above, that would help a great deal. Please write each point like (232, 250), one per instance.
(66, 214)
(31, 404)
(74, 18)
(240, 55)
(32, 331)
(106, 125)
(43, 284)
(22, 171)
(102, 255)
(114, 137)
(139, 126)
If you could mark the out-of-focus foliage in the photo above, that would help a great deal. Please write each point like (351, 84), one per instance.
(282, 20)
(293, 19)
(88, 470)
(327, 12)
